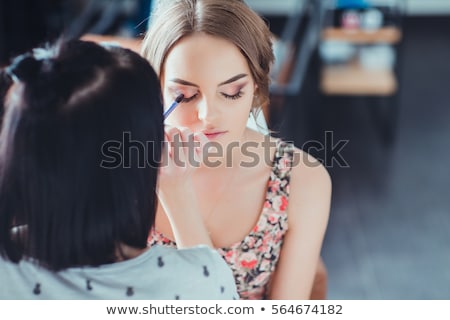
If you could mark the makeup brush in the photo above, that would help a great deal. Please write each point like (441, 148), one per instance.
(174, 104)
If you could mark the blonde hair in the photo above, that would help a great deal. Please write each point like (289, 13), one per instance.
(231, 20)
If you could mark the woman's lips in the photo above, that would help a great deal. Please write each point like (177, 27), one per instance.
(211, 135)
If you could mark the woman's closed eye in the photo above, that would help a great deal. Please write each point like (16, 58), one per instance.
(233, 96)
(227, 96)
(189, 99)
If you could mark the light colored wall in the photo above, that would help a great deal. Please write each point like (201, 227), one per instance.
(432, 7)
(414, 7)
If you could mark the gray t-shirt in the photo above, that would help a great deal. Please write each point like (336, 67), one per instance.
(198, 273)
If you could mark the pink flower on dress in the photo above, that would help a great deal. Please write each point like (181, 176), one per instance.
(267, 204)
(248, 260)
(274, 184)
(285, 163)
(261, 279)
(273, 218)
(229, 256)
(284, 203)
(279, 235)
(280, 203)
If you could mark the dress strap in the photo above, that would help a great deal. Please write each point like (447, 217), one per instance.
(283, 159)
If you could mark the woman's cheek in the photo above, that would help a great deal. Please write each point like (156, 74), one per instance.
(185, 116)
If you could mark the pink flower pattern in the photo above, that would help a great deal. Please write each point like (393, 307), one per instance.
(254, 259)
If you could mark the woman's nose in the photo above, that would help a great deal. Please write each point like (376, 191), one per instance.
(207, 111)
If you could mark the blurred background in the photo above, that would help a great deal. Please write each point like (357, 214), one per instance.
(362, 85)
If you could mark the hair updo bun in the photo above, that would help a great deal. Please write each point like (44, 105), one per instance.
(24, 68)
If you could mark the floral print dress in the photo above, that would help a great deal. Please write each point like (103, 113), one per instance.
(253, 260)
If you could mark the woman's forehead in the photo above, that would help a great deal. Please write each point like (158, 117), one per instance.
(201, 55)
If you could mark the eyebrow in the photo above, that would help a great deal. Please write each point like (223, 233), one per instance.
(187, 83)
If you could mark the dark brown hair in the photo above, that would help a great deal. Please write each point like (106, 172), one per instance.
(62, 201)
(232, 20)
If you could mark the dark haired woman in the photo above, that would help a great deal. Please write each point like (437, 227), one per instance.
(76, 200)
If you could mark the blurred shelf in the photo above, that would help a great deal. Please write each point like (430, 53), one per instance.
(389, 35)
(362, 62)
(354, 80)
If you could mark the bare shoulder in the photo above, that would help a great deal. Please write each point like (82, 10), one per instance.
(310, 186)
(308, 169)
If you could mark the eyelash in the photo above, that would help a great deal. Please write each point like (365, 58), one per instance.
(234, 96)
(227, 96)
(186, 100)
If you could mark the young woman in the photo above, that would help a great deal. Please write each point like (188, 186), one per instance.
(80, 150)
(264, 202)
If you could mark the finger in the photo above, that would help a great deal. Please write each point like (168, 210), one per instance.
(200, 141)
(171, 132)
(175, 145)
(190, 147)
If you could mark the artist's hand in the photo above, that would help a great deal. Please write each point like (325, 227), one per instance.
(176, 193)
(182, 155)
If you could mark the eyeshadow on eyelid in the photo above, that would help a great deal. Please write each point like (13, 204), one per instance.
(237, 86)
(234, 90)
(178, 91)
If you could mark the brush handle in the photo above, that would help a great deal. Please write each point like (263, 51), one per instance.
(174, 104)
